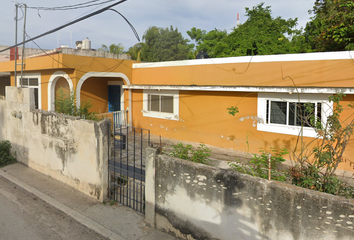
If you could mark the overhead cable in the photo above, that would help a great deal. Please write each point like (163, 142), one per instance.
(66, 25)
(131, 26)
(71, 7)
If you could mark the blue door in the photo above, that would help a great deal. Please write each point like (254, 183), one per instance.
(114, 98)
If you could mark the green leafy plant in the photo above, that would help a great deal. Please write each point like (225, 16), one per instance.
(317, 161)
(66, 104)
(6, 157)
(258, 166)
(199, 155)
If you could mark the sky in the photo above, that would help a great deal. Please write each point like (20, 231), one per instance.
(109, 27)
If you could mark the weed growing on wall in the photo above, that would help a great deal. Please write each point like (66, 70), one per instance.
(200, 154)
(6, 157)
(258, 166)
(66, 104)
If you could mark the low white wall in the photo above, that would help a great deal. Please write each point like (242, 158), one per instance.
(195, 201)
(66, 148)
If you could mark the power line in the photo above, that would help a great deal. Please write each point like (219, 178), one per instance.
(66, 25)
(71, 7)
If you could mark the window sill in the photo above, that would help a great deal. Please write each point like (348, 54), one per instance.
(288, 130)
(168, 116)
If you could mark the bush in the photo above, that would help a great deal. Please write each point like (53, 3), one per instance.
(6, 157)
(199, 155)
(67, 104)
(258, 166)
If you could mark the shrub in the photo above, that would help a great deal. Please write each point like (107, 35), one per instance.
(66, 104)
(188, 152)
(258, 166)
(6, 157)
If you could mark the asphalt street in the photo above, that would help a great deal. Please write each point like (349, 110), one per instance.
(24, 216)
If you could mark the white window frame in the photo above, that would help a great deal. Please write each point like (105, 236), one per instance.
(163, 115)
(326, 110)
(33, 75)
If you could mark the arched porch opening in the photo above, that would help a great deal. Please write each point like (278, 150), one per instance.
(58, 80)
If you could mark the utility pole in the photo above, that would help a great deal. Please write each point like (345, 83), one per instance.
(24, 39)
(16, 19)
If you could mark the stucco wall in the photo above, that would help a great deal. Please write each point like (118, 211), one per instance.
(2, 120)
(68, 149)
(196, 201)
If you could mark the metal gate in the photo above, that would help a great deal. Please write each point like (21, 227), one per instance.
(126, 166)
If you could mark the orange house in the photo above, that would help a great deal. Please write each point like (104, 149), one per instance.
(91, 75)
(188, 100)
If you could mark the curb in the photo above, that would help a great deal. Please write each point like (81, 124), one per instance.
(98, 228)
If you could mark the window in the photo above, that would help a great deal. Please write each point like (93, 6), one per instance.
(284, 113)
(161, 104)
(32, 80)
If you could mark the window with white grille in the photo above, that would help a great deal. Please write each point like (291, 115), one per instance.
(161, 104)
(287, 113)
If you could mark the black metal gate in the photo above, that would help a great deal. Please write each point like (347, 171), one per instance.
(126, 166)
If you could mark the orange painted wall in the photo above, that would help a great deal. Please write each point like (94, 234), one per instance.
(324, 73)
(204, 118)
(96, 90)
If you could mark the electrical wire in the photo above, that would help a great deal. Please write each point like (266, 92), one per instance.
(66, 25)
(72, 7)
(131, 26)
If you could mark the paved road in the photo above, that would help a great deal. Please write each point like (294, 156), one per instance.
(24, 216)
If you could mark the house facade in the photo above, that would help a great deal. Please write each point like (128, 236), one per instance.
(188, 100)
(90, 75)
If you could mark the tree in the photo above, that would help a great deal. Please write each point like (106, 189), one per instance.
(207, 41)
(331, 29)
(113, 48)
(164, 44)
(135, 51)
(261, 34)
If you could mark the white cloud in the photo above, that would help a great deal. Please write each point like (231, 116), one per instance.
(109, 27)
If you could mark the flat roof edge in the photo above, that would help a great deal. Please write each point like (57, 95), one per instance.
(317, 56)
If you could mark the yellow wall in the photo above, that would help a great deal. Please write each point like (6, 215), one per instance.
(204, 118)
(76, 67)
(325, 73)
(96, 90)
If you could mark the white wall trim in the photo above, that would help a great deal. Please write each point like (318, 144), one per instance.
(51, 87)
(99, 74)
(33, 75)
(318, 56)
(288, 90)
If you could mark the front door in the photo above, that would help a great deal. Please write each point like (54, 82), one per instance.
(114, 98)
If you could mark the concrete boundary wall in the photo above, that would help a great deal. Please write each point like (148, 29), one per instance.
(195, 201)
(65, 148)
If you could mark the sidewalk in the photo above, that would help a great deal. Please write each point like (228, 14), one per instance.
(114, 222)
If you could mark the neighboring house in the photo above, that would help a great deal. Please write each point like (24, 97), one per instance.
(91, 75)
(188, 100)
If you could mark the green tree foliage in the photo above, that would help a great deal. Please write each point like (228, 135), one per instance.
(208, 41)
(331, 29)
(135, 51)
(113, 48)
(164, 44)
(261, 34)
